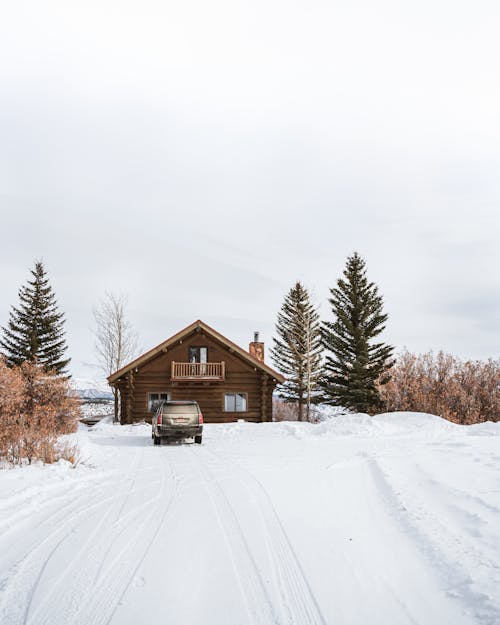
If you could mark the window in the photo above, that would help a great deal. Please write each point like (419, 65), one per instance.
(235, 402)
(154, 400)
(198, 354)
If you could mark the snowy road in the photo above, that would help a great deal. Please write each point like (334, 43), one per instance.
(389, 521)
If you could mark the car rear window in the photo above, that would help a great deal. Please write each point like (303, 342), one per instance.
(180, 409)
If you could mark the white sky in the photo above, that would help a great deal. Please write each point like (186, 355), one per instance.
(201, 157)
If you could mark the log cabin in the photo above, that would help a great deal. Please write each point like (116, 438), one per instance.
(228, 382)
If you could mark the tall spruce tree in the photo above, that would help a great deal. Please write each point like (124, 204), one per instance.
(35, 330)
(354, 364)
(297, 350)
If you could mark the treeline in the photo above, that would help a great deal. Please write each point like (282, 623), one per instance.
(341, 361)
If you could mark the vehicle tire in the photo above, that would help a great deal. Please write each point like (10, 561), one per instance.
(197, 439)
(156, 440)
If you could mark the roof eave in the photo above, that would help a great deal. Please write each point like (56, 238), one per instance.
(140, 360)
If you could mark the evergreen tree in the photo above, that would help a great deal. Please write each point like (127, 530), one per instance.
(297, 350)
(35, 330)
(354, 364)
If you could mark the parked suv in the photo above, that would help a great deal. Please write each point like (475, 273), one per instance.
(175, 420)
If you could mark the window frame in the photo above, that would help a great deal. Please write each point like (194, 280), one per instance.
(158, 401)
(245, 395)
(198, 348)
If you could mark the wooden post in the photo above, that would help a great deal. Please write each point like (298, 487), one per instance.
(263, 401)
(130, 395)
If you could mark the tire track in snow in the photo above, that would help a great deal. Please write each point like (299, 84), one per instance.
(23, 578)
(258, 604)
(101, 604)
(440, 546)
(20, 509)
(460, 493)
(50, 512)
(298, 601)
(89, 551)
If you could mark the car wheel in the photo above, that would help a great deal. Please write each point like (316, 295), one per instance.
(197, 439)
(156, 440)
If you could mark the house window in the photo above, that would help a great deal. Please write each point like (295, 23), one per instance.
(198, 354)
(235, 402)
(155, 399)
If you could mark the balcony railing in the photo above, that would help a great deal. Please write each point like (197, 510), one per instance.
(189, 371)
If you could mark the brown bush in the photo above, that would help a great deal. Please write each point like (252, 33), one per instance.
(35, 409)
(11, 398)
(289, 411)
(284, 410)
(460, 391)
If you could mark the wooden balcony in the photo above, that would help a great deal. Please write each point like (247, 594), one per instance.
(198, 371)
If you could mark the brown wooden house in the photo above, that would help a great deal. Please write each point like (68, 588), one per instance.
(228, 382)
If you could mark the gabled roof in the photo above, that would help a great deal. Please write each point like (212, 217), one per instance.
(149, 355)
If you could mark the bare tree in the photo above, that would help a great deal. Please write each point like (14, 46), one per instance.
(116, 340)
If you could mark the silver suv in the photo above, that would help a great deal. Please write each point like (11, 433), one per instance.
(175, 420)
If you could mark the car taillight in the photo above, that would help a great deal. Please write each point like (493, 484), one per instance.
(200, 419)
(158, 419)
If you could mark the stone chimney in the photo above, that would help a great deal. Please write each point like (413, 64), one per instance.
(256, 348)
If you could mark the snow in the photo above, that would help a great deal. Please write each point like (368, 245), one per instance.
(88, 388)
(96, 409)
(391, 520)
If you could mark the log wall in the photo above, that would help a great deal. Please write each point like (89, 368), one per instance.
(240, 377)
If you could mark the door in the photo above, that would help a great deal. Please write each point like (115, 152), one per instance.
(199, 355)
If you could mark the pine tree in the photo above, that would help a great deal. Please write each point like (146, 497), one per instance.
(354, 364)
(35, 330)
(297, 350)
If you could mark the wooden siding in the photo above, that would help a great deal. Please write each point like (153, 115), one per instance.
(156, 377)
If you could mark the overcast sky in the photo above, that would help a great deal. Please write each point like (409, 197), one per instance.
(202, 156)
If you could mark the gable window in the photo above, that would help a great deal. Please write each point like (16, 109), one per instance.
(155, 399)
(235, 402)
(198, 354)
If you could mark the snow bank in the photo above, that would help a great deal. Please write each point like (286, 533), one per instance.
(396, 424)
(484, 429)
(362, 425)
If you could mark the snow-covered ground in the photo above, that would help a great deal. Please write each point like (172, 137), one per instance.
(96, 409)
(393, 520)
(90, 389)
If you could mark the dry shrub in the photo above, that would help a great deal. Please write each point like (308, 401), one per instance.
(284, 410)
(36, 407)
(62, 451)
(11, 397)
(461, 391)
